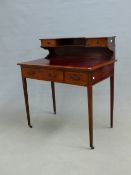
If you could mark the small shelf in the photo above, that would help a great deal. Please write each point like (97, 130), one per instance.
(77, 42)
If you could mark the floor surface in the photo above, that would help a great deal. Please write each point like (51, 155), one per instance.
(59, 144)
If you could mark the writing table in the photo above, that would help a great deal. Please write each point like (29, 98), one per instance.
(77, 61)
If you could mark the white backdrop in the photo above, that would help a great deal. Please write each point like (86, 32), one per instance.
(23, 22)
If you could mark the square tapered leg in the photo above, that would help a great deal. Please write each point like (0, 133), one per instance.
(53, 96)
(111, 100)
(90, 114)
(26, 101)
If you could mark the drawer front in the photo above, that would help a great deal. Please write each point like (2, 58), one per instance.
(42, 74)
(97, 42)
(48, 43)
(102, 73)
(76, 78)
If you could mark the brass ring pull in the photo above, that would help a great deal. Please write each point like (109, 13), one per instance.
(75, 77)
(97, 42)
(50, 75)
(31, 73)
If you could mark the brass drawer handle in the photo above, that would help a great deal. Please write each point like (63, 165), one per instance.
(75, 77)
(50, 75)
(97, 42)
(31, 73)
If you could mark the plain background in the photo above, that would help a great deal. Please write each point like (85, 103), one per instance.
(60, 144)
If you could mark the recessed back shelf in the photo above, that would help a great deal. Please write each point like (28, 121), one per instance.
(71, 42)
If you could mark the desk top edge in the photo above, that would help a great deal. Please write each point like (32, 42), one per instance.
(84, 68)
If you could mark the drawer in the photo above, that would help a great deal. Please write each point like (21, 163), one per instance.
(42, 74)
(102, 73)
(97, 42)
(76, 78)
(48, 43)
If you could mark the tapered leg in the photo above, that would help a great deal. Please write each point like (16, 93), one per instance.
(53, 96)
(111, 100)
(90, 115)
(26, 101)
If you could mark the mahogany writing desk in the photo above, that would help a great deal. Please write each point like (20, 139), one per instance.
(77, 61)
